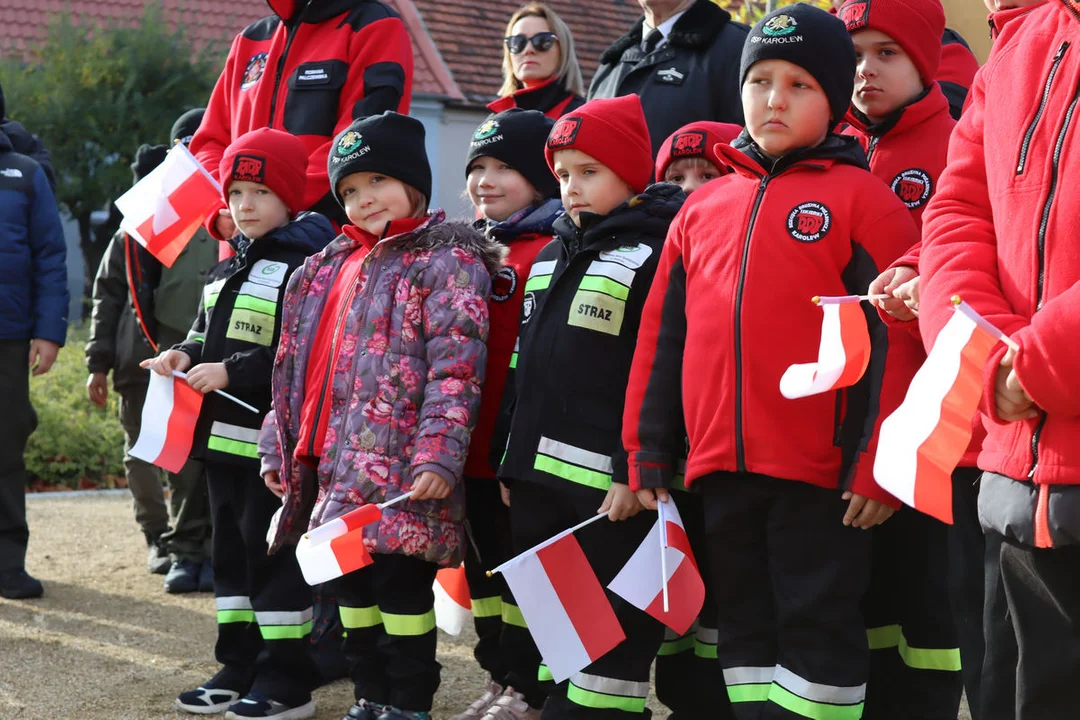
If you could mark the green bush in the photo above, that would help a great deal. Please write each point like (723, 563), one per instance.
(76, 444)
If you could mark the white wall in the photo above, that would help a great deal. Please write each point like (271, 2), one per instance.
(449, 131)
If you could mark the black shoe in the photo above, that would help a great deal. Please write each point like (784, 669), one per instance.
(395, 714)
(363, 710)
(257, 705)
(206, 576)
(18, 585)
(183, 577)
(157, 559)
(216, 694)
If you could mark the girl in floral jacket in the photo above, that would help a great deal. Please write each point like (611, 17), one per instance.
(376, 391)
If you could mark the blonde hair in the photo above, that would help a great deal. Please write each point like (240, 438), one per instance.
(569, 71)
(417, 200)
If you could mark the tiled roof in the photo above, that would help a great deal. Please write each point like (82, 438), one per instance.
(469, 35)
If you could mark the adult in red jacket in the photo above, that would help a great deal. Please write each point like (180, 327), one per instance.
(311, 69)
(1000, 234)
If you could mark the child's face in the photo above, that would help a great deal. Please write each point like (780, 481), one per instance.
(587, 185)
(690, 174)
(255, 208)
(498, 190)
(372, 200)
(784, 106)
(885, 78)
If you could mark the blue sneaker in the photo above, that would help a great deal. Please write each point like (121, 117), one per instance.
(216, 694)
(257, 705)
(183, 577)
(206, 576)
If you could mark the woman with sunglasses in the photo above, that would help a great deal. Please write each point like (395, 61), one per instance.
(540, 69)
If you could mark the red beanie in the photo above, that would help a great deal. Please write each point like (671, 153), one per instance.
(272, 158)
(613, 131)
(698, 139)
(916, 25)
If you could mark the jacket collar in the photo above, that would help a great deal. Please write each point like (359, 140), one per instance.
(311, 11)
(696, 30)
(540, 97)
(647, 214)
(393, 229)
(999, 20)
(746, 158)
(932, 102)
(535, 219)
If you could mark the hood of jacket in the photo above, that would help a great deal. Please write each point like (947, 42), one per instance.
(5, 142)
(648, 213)
(535, 219)
(745, 157)
(695, 30)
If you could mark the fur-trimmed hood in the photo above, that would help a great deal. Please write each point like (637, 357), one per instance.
(695, 30)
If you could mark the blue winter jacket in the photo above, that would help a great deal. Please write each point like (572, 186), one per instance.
(33, 255)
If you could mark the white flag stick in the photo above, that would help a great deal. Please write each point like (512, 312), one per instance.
(841, 299)
(550, 541)
(663, 551)
(962, 307)
(395, 501)
(235, 399)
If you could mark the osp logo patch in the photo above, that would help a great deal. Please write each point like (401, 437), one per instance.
(489, 128)
(688, 144)
(528, 306)
(779, 26)
(809, 222)
(855, 14)
(249, 168)
(503, 284)
(254, 70)
(564, 133)
(349, 142)
(913, 187)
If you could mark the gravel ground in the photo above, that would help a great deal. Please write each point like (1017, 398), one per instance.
(106, 643)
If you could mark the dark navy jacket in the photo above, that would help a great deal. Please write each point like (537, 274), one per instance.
(33, 269)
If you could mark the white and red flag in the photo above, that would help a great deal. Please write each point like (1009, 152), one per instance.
(641, 581)
(169, 415)
(329, 560)
(564, 605)
(165, 209)
(922, 442)
(843, 354)
(453, 606)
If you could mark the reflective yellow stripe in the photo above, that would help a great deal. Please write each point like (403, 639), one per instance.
(748, 693)
(543, 674)
(813, 710)
(675, 647)
(607, 693)
(285, 632)
(233, 447)
(513, 360)
(511, 615)
(409, 625)
(604, 285)
(704, 650)
(573, 473)
(358, 618)
(487, 607)
(250, 302)
(540, 282)
(235, 616)
(892, 636)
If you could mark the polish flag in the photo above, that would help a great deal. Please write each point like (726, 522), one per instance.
(843, 354)
(329, 560)
(353, 520)
(164, 209)
(453, 605)
(640, 582)
(922, 442)
(168, 444)
(564, 605)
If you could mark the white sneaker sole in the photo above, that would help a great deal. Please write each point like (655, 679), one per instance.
(204, 709)
(297, 713)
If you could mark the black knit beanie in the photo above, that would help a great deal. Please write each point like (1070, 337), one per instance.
(517, 137)
(148, 157)
(391, 144)
(813, 39)
(186, 125)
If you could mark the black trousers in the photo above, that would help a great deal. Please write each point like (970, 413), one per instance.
(617, 685)
(488, 527)
(689, 678)
(263, 603)
(17, 422)
(914, 653)
(388, 611)
(1041, 589)
(788, 579)
(967, 580)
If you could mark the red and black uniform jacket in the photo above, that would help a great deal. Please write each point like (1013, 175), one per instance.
(956, 71)
(730, 310)
(551, 98)
(1001, 233)
(525, 236)
(311, 69)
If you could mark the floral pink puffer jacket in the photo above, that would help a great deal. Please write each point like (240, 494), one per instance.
(405, 390)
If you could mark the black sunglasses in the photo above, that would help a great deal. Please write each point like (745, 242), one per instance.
(541, 41)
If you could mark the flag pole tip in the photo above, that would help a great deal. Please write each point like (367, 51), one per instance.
(816, 299)
(955, 300)
(489, 573)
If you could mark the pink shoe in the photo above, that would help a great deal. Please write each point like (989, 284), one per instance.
(477, 709)
(511, 705)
